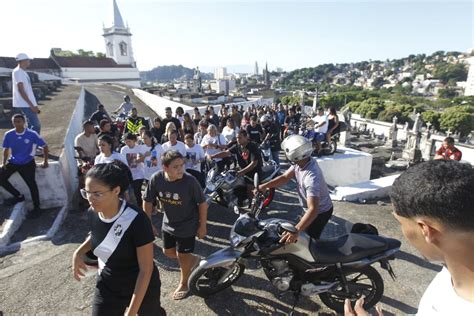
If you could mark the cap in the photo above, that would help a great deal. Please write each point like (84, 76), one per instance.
(21, 57)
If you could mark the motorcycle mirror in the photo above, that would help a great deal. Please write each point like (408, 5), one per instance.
(236, 210)
(256, 181)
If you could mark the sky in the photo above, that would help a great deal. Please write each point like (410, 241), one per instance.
(235, 34)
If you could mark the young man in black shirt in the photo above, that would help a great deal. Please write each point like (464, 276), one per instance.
(99, 115)
(272, 135)
(169, 118)
(254, 130)
(249, 159)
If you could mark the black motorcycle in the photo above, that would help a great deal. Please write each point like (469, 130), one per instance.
(335, 268)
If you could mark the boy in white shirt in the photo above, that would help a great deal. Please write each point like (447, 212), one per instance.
(193, 159)
(433, 201)
(320, 127)
(135, 155)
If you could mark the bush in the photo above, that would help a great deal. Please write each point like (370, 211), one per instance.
(432, 117)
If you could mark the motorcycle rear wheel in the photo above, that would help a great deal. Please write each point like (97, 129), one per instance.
(363, 281)
(205, 282)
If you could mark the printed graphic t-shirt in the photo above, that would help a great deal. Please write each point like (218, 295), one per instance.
(131, 154)
(180, 200)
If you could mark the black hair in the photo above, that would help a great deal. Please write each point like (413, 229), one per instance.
(332, 110)
(439, 189)
(103, 123)
(18, 115)
(153, 140)
(180, 109)
(189, 135)
(320, 109)
(254, 118)
(167, 108)
(111, 174)
(100, 105)
(204, 123)
(449, 140)
(157, 119)
(168, 157)
(242, 132)
(109, 140)
(131, 136)
(88, 122)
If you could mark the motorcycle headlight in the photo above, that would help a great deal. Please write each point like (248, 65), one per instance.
(211, 187)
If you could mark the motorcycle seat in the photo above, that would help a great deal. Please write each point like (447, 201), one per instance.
(350, 247)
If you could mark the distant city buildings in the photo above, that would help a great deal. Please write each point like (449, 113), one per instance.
(469, 89)
(220, 73)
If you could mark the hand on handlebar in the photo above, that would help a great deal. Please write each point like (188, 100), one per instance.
(289, 237)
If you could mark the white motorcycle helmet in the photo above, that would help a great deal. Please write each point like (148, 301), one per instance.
(297, 147)
(265, 118)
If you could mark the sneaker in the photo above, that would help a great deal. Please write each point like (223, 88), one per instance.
(14, 200)
(34, 213)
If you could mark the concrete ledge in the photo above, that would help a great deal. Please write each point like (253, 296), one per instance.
(13, 223)
(347, 166)
(368, 190)
(52, 190)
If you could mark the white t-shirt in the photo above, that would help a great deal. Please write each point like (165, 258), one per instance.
(440, 298)
(194, 156)
(229, 134)
(131, 154)
(153, 161)
(179, 147)
(19, 75)
(216, 140)
(318, 119)
(115, 156)
(88, 144)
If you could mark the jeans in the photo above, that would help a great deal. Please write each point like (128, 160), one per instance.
(27, 172)
(31, 118)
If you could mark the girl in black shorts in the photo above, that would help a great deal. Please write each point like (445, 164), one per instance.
(122, 239)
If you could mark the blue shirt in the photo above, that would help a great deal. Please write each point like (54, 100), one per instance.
(22, 145)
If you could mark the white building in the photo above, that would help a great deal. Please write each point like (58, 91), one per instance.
(469, 90)
(223, 86)
(220, 73)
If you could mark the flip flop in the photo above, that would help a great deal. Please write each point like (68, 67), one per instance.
(179, 295)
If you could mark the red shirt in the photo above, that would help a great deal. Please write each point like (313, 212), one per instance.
(449, 154)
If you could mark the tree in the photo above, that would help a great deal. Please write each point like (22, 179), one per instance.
(458, 118)
(379, 82)
(431, 117)
(445, 72)
(447, 93)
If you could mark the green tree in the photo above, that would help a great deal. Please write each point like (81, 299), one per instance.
(447, 93)
(445, 72)
(458, 118)
(432, 117)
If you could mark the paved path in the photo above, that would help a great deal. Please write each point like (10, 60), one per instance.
(38, 279)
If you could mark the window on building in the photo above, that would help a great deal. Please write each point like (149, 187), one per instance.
(123, 48)
(110, 48)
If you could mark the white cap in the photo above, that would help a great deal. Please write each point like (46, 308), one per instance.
(21, 57)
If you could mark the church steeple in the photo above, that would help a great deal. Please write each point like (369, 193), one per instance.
(117, 18)
(118, 39)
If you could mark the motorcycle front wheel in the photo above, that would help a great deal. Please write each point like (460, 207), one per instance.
(363, 281)
(205, 282)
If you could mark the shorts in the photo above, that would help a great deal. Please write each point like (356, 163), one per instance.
(182, 244)
(319, 137)
(106, 303)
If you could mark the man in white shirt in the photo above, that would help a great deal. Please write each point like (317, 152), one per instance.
(433, 201)
(320, 127)
(86, 142)
(24, 100)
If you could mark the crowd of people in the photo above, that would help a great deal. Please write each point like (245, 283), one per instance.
(131, 169)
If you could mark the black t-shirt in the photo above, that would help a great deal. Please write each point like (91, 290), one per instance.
(176, 122)
(254, 132)
(274, 131)
(245, 156)
(292, 121)
(157, 133)
(98, 116)
(131, 229)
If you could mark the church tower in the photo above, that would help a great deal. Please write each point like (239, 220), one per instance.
(118, 39)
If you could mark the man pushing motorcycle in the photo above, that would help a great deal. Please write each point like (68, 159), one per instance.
(312, 189)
